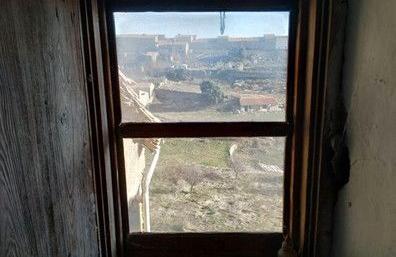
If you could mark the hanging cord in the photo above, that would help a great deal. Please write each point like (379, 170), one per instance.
(222, 22)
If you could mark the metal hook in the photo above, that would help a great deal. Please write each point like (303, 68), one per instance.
(222, 22)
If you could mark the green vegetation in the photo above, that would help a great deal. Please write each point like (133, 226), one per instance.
(268, 150)
(207, 152)
(194, 188)
(178, 75)
(212, 92)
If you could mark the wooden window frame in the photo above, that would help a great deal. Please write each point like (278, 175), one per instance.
(303, 128)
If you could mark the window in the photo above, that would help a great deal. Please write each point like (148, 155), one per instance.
(199, 74)
(232, 184)
(177, 67)
(208, 109)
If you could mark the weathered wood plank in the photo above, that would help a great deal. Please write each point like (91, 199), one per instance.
(47, 204)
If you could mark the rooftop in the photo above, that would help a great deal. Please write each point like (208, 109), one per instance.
(245, 100)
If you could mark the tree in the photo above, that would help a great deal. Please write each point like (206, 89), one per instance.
(237, 54)
(193, 175)
(212, 92)
(178, 75)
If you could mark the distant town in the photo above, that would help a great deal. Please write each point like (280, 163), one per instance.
(220, 78)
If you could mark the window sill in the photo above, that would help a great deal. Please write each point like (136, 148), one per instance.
(204, 244)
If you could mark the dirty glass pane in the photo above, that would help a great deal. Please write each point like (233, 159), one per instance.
(180, 67)
(205, 184)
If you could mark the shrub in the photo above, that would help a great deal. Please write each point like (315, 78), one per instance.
(212, 92)
(193, 175)
(178, 75)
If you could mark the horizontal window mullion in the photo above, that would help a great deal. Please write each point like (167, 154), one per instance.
(204, 129)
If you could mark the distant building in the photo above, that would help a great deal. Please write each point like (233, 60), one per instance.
(133, 43)
(174, 51)
(185, 38)
(137, 167)
(145, 92)
(266, 42)
(282, 42)
(256, 102)
(139, 52)
(153, 56)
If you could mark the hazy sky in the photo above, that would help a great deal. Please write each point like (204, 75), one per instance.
(202, 24)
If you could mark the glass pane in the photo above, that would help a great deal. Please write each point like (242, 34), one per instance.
(180, 67)
(205, 184)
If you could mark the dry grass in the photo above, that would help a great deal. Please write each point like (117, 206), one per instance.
(195, 190)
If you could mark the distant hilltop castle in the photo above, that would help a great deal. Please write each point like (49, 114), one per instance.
(143, 50)
(151, 43)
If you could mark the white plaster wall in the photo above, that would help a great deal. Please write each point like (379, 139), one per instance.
(365, 217)
(134, 158)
